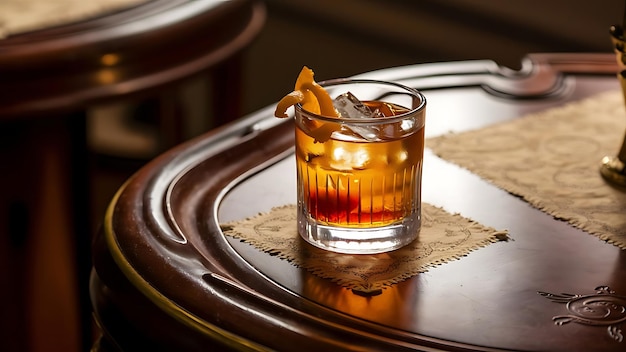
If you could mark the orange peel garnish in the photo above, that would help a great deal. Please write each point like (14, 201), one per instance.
(288, 100)
(310, 94)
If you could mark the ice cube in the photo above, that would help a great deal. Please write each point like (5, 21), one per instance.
(369, 133)
(350, 106)
(349, 159)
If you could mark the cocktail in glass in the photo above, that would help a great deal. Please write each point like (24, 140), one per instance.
(359, 178)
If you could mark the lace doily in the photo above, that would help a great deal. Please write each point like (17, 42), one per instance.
(551, 159)
(443, 237)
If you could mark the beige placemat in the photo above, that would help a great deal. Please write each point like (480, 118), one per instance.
(443, 237)
(17, 16)
(551, 159)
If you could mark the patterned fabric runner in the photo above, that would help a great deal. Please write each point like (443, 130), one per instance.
(18, 16)
(551, 159)
(443, 237)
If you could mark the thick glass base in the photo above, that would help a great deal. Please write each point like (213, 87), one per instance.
(359, 240)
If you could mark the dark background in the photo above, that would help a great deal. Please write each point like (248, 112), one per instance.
(346, 37)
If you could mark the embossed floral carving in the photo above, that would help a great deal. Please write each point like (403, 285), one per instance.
(603, 308)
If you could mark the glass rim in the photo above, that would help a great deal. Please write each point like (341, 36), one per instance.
(357, 120)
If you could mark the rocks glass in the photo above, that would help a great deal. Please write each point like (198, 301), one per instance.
(359, 178)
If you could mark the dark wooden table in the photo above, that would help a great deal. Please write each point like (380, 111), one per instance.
(50, 78)
(165, 276)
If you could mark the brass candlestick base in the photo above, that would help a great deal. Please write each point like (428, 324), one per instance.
(613, 169)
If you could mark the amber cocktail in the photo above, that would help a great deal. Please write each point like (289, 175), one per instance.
(359, 175)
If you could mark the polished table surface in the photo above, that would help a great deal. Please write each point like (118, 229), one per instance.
(165, 275)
